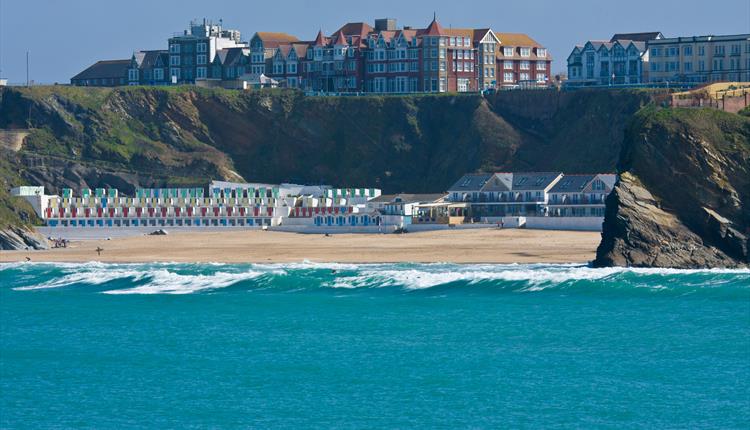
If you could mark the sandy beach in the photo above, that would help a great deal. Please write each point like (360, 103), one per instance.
(252, 246)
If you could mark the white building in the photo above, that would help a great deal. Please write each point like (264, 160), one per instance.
(192, 52)
(700, 59)
(580, 195)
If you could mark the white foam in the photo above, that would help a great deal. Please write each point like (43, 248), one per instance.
(165, 282)
(175, 278)
(537, 277)
(90, 277)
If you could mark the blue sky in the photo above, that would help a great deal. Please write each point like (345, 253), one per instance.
(64, 37)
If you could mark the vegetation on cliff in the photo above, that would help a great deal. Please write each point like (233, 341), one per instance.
(138, 136)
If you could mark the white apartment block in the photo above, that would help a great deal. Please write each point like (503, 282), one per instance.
(700, 59)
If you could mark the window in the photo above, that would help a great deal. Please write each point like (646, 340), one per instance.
(524, 65)
(452, 41)
(201, 47)
(508, 52)
(174, 60)
(656, 52)
(688, 67)
(174, 48)
(200, 72)
(701, 50)
(541, 77)
(508, 77)
(541, 52)
(525, 52)
(174, 73)
(132, 74)
(524, 77)
(687, 50)
(158, 74)
(541, 65)
(719, 50)
(442, 84)
(508, 65)
(201, 58)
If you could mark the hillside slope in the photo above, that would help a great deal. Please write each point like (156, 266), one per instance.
(130, 137)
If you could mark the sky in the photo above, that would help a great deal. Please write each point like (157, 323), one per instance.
(64, 37)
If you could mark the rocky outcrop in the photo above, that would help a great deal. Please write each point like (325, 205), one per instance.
(683, 199)
(639, 233)
(17, 238)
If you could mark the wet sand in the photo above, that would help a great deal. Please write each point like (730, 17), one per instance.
(253, 246)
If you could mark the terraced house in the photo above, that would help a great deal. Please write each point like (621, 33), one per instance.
(355, 58)
(621, 60)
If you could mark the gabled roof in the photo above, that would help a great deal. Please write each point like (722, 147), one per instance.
(300, 49)
(150, 59)
(231, 56)
(609, 179)
(434, 29)
(340, 39)
(361, 29)
(320, 40)
(480, 33)
(470, 182)
(105, 69)
(534, 181)
(638, 37)
(499, 182)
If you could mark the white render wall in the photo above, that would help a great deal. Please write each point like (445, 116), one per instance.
(565, 223)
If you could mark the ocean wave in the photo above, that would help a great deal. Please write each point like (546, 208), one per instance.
(182, 278)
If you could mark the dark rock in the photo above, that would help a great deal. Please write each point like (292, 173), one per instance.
(638, 233)
(684, 199)
(17, 238)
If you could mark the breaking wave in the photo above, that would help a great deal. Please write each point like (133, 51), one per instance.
(177, 278)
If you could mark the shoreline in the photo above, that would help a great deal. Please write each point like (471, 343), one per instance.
(473, 246)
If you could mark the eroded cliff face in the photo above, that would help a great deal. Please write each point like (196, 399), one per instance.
(684, 197)
(131, 137)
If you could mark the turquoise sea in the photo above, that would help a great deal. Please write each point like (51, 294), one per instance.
(307, 345)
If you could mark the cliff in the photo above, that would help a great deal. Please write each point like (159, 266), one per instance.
(129, 137)
(684, 197)
(683, 201)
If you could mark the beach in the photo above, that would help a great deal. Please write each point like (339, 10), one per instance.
(254, 246)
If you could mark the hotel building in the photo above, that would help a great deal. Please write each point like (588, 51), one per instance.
(356, 58)
(700, 59)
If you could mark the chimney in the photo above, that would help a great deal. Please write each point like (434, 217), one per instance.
(384, 24)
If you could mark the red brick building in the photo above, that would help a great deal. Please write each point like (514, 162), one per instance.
(386, 59)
